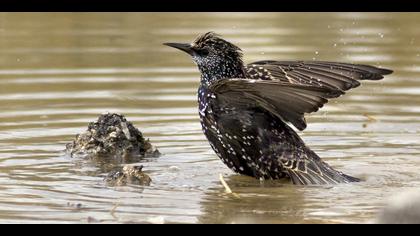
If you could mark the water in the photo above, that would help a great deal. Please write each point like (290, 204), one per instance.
(59, 71)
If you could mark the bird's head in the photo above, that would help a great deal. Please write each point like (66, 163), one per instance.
(215, 57)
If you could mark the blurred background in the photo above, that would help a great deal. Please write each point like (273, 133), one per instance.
(59, 71)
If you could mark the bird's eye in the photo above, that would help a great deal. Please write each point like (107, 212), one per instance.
(204, 52)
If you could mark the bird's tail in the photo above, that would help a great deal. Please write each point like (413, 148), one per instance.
(317, 172)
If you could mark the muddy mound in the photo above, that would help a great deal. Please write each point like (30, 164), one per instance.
(111, 135)
(129, 174)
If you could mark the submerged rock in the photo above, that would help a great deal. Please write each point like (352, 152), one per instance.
(111, 135)
(402, 209)
(129, 174)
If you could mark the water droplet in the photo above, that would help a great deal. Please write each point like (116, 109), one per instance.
(174, 168)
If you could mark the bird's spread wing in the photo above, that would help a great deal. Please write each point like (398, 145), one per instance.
(287, 101)
(338, 76)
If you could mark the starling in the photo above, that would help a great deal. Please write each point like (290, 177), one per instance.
(247, 111)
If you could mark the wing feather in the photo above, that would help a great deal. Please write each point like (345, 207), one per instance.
(334, 75)
(287, 101)
(289, 89)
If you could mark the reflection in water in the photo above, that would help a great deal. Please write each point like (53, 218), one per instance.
(258, 202)
(59, 75)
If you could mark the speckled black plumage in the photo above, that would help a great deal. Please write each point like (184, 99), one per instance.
(246, 111)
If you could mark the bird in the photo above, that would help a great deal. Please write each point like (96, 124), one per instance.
(250, 112)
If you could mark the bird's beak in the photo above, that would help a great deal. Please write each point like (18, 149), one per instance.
(181, 46)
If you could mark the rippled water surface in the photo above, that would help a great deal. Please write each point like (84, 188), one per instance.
(60, 71)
